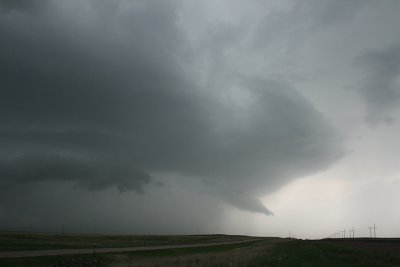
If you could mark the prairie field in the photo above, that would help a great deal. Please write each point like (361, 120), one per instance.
(274, 252)
(14, 241)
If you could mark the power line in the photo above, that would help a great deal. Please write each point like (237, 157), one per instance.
(351, 232)
(370, 231)
(374, 231)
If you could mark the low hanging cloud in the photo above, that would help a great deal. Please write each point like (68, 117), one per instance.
(21, 5)
(295, 21)
(90, 175)
(104, 100)
(381, 87)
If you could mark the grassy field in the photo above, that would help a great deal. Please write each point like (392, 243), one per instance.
(13, 241)
(272, 252)
(224, 255)
(346, 253)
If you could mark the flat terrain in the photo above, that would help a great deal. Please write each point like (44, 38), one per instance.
(237, 254)
(14, 241)
(336, 252)
(94, 250)
(269, 252)
(383, 245)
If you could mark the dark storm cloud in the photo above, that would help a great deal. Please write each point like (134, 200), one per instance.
(87, 174)
(103, 100)
(303, 18)
(22, 5)
(381, 88)
(329, 11)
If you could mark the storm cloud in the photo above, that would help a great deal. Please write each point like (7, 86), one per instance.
(296, 21)
(381, 87)
(102, 95)
(21, 5)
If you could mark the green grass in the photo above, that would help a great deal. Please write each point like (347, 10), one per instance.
(186, 251)
(42, 261)
(266, 252)
(118, 258)
(315, 254)
(13, 241)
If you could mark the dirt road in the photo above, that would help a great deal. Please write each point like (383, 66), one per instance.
(39, 253)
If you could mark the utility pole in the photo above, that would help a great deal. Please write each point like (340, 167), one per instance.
(352, 232)
(370, 231)
(374, 231)
(344, 233)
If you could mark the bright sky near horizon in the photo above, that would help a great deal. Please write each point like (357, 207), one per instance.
(184, 117)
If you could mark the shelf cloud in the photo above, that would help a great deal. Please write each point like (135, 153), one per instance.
(102, 94)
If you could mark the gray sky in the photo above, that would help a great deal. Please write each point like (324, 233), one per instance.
(200, 116)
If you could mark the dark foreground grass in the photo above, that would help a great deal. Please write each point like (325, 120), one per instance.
(13, 241)
(267, 252)
(167, 257)
(317, 253)
(42, 261)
